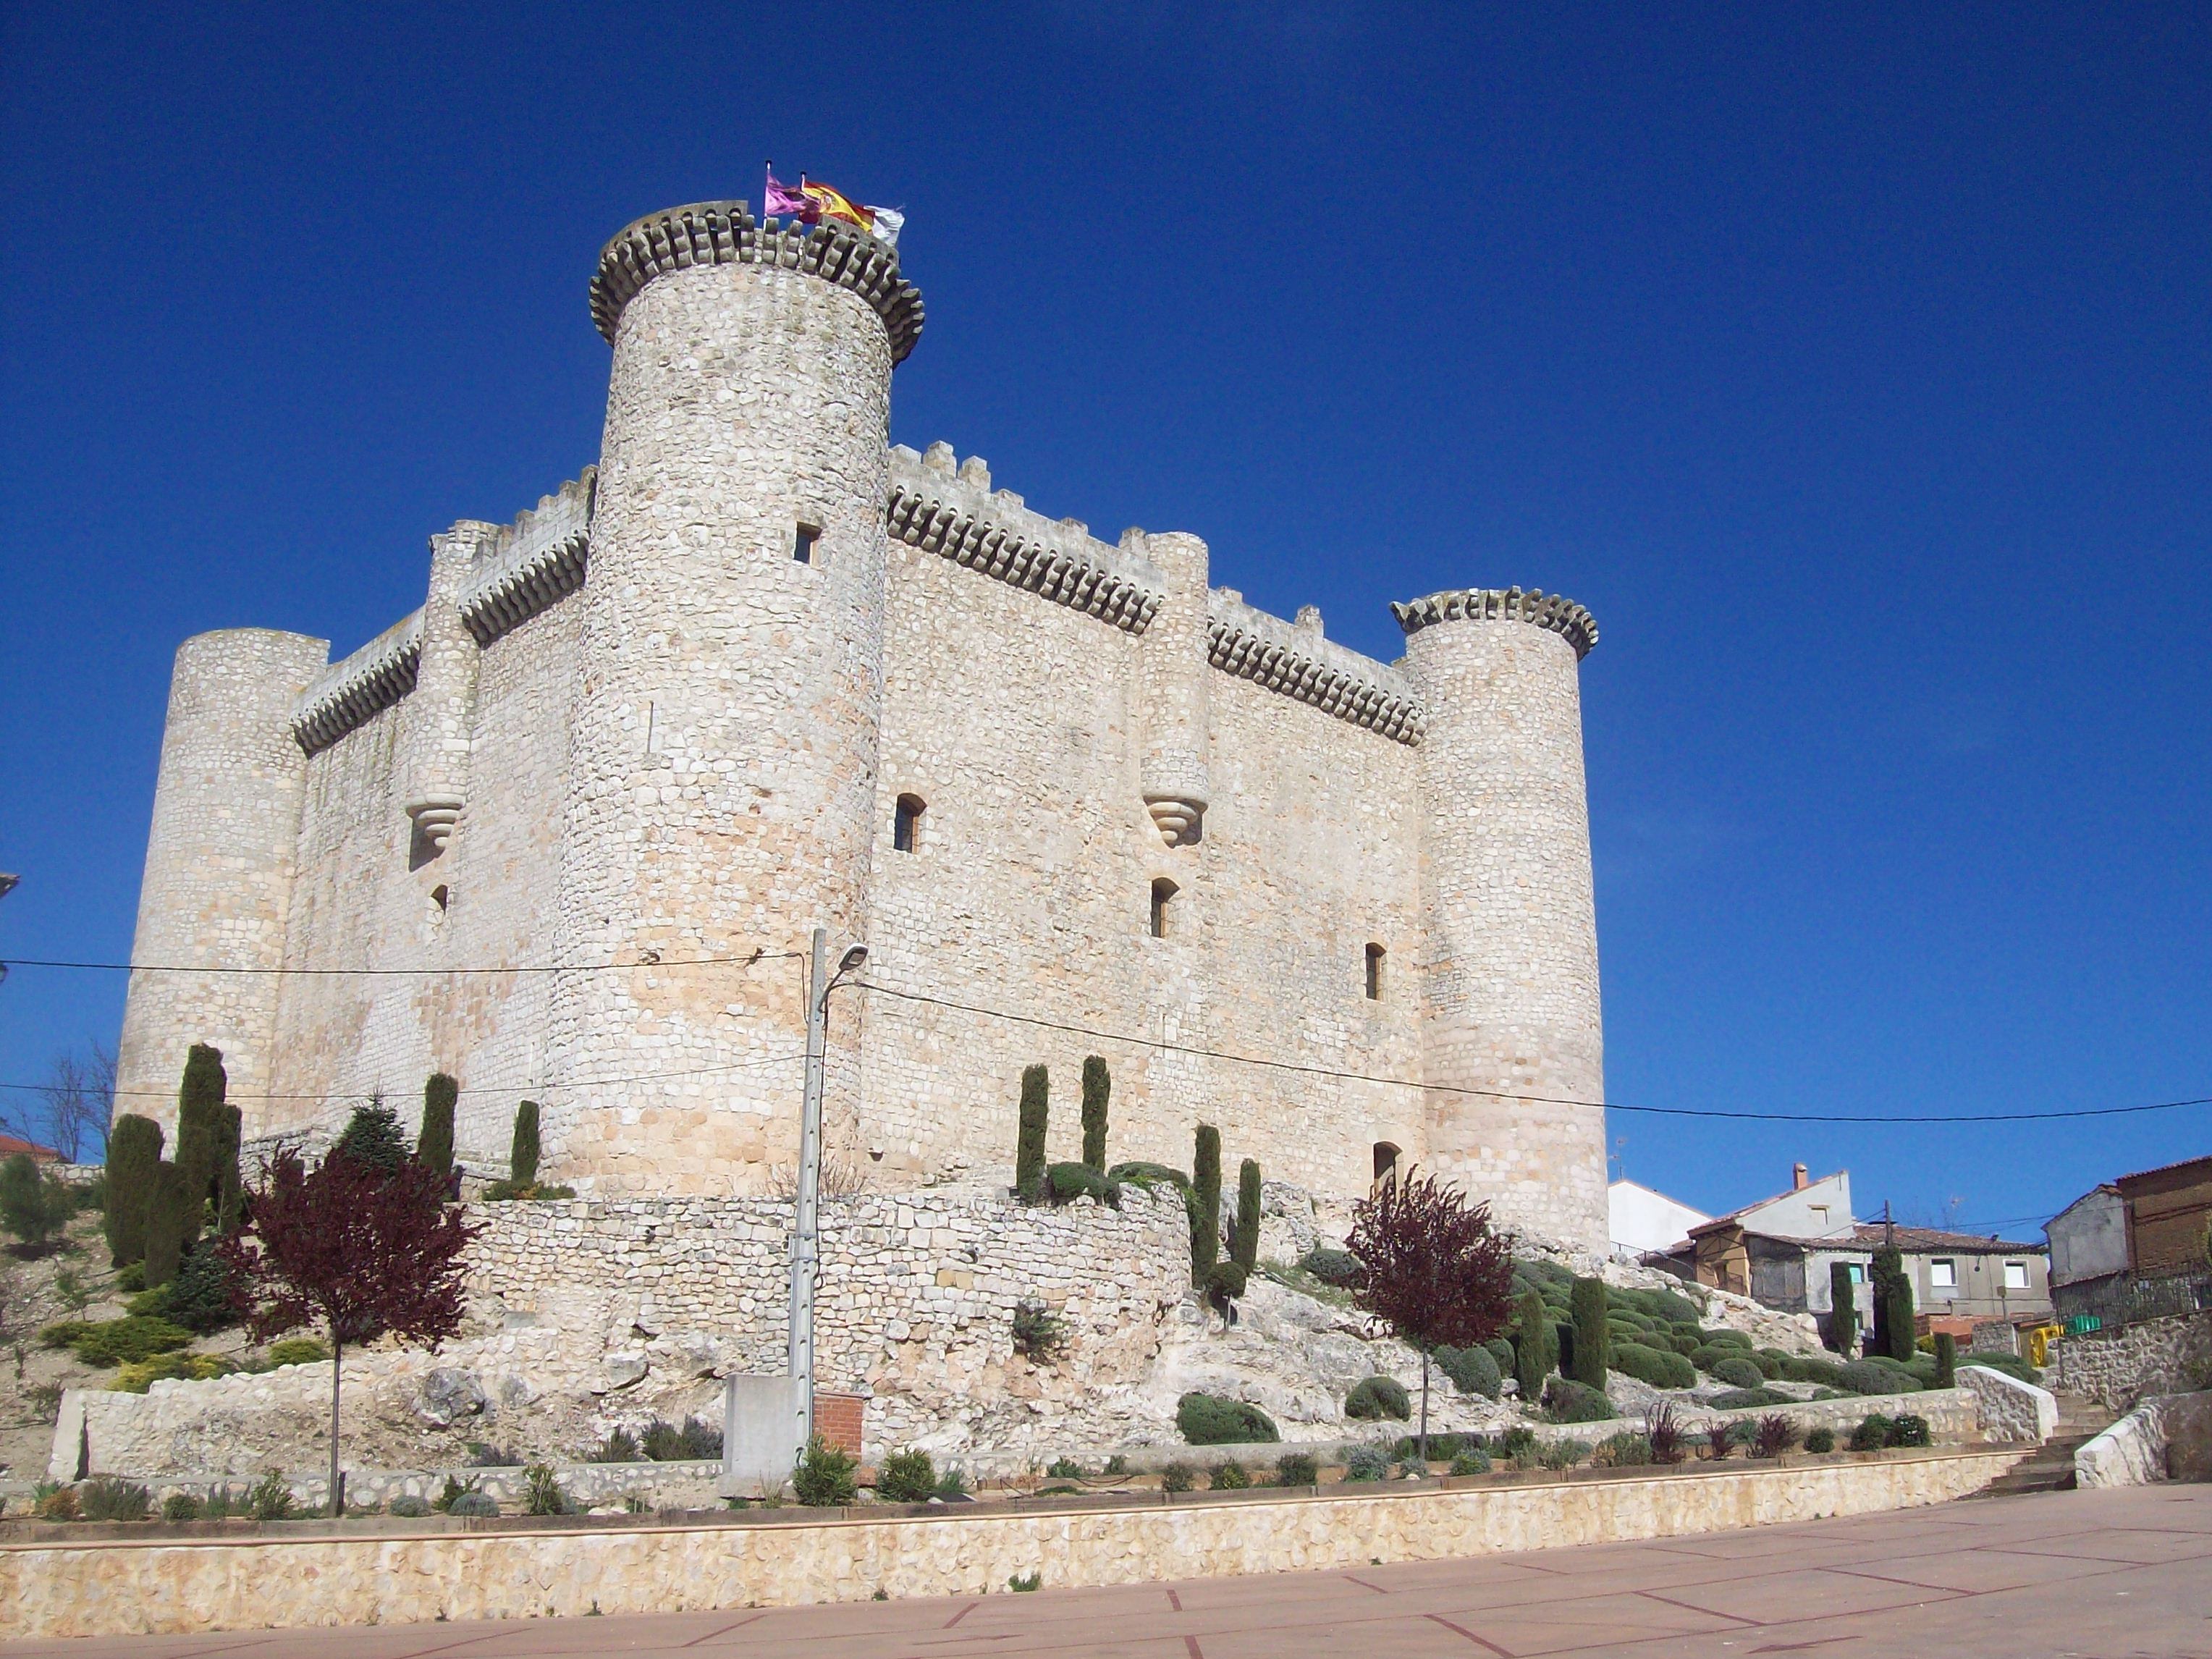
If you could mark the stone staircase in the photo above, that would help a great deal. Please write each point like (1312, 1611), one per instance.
(2051, 1466)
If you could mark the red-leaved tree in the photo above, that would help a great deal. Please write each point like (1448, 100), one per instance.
(360, 1251)
(1432, 1269)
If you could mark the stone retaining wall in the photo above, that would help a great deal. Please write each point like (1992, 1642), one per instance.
(2117, 1368)
(493, 1569)
(2166, 1438)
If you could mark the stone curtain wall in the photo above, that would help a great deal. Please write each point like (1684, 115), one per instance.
(2117, 1368)
(48, 1592)
(587, 1315)
(1016, 722)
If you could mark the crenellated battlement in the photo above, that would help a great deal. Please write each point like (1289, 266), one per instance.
(537, 561)
(1561, 616)
(957, 516)
(1298, 662)
(355, 687)
(725, 232)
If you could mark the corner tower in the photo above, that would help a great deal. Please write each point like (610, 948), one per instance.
(722, 784)
(1511, 1012)
(220, 859)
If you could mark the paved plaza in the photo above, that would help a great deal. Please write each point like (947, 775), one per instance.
(2100, 1573)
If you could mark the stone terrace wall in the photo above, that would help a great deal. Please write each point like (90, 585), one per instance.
(2118, 1368)
(586, 1314)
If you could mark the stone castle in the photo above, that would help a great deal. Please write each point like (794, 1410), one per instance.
(566, 830)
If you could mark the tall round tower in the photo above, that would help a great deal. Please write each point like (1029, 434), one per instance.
(1510, 1010)
(220, 859)
(722, 784)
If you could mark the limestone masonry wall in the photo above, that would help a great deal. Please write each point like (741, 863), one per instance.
(663, 721)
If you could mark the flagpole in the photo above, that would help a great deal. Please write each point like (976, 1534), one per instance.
(768, 175)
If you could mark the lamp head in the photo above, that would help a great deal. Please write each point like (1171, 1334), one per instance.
(854, 958)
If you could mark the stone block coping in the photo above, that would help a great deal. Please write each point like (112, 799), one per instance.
(57, 1581)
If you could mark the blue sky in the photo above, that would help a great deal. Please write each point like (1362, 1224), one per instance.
(1850, 364)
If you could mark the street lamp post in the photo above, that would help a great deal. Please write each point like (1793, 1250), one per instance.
(805, 1238)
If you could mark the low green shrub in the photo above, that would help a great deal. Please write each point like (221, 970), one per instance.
(110, 1497)
(1149, 1176)
(270, 1497)
(1874, 1376)
(1809, 1368)
(619, 1447)
(1907, 1429)
(1736, 1399)
(1668, 1307)
(1297, 1469)
(1500, 1349)
(180, 1506)
(141, 1375)
(1872, 1433)
(298, 1351)
(1559, 1454)
(1771, 1362)
(1821, 1439)
(1471, 1462)
(825, 1477)
(1208, 1420)
(1737, 1372)
(1568, 1401)
(1374, 1398)
(479, 1504)
(1038, 1334)
(1066, 1182)
(1661, 1368)
(1516, 1443)
(1338, 1268)
(455, 1491)
(1066, 1468)
(1367, 1463)
(1624, 1450)
(906, 1477)
(1724, 1338)
(409, 1509)
(1178, 1477)
(133, 1337)
(1472, 1371)
(1229, 1477)
(2010, 1364)
(1440, 1445)
(1226, 1279)
(692, 1441)
(542, 1493)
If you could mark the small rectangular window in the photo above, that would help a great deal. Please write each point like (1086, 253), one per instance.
(802, 543)
(1859, 1273)
(1163, 891)
(906, 824)
(2015, 1275)
(1943, 1275)
(1375, 954)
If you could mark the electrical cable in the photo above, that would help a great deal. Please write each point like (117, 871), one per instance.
(1165, 1046)
(383, 973)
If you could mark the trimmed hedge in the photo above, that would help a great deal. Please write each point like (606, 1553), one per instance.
(1568, 1401)
(1472, 1371)
(1338, 1268)
(1873, 1376)
(1373, 1397)
(1738, 1371)
(1066, 1182)
(1661, 1368)
(1208, 1419)
(1737, 1399)
(1593, 1335)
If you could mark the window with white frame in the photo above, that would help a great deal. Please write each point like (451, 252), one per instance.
(2015, 1276)
(1943, 1274)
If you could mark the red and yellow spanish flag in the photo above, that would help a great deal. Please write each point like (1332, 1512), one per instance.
(813, 203)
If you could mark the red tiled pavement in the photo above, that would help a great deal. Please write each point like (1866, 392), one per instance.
(2115, 1575)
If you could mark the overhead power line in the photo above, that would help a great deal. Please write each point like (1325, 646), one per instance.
(1167, 1046)
(382, 973)
(506, 1089)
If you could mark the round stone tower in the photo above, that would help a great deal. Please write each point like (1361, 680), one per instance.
(220, 859)
(722, 784)
(1511, 1009)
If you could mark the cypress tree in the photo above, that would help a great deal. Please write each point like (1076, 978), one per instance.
(229, 1186)
(1028, 1140)
(1204, 1203)
(200, 1111)
(1097, 1085)
(1947, 1360)
(1593, 1342)
(1245, 1249)
(1536, 1350)
(1844, 1309)
(1893, 1305)
(167, 1208)
(522, 1151)
(434, 1147)
(134, 1148)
